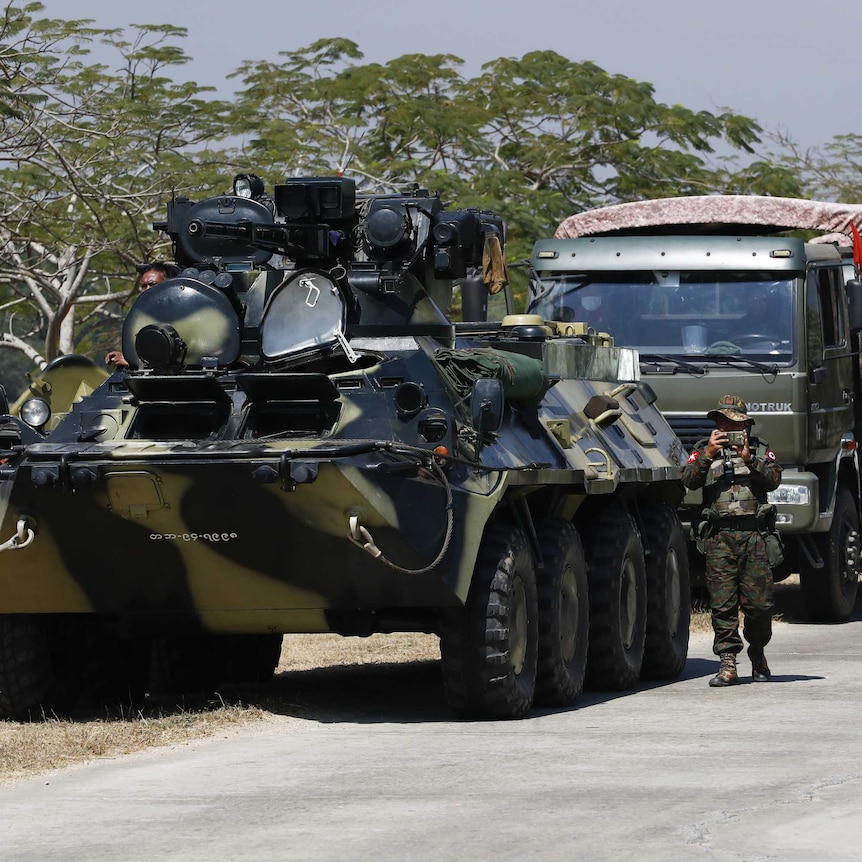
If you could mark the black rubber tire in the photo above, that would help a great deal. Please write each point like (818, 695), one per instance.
(252, 659)
(617, 578)
(187, 663)
(489, 647)
(40, 660)
(564, 614)
(830, 592)
(668, 594)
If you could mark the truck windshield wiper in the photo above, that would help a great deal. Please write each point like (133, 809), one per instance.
(753, 363)
(679, 364)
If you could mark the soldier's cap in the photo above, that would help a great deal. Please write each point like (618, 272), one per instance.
(733, 408)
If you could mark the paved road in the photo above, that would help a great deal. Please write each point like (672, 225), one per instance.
(369, 765)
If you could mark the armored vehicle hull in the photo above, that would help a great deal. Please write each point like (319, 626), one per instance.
(508, 486)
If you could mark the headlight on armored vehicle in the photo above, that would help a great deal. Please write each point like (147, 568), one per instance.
(790, 495)
(35, 412)
(247, 186)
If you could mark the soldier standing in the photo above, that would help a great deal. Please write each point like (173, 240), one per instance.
(736, 471)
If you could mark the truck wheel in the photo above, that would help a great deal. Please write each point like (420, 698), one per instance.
(830, 592)
(617, 579)
(252, 659)
(564, 614)
(188, 663)
(668, 594)
(489, 647)
(38, 667)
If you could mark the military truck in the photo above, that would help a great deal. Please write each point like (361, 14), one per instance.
(718, 298)
(304, 441)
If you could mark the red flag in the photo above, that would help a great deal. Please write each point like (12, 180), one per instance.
(857, 245)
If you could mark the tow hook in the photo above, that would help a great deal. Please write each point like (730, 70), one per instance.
(24, 535)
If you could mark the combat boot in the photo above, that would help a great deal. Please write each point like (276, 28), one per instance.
(760, 671)
(726, 673)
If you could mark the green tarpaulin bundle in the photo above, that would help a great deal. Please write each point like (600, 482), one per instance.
(523, 377)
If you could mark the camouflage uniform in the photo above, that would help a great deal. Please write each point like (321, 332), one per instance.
(737, 569)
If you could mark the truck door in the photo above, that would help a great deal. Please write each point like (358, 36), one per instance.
(830, 370)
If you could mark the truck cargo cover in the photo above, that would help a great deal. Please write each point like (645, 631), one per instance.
(718, 214)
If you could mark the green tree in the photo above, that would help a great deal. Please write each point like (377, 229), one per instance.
(535, 138)
(389, 126)
(88, 157)
(831, 172)
(562, 136)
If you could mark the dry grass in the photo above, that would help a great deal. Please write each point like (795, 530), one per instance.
(700, 619)
(32, 748)
(304, 652)
(29, 749)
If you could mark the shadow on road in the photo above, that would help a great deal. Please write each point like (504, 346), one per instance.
(413, 692)
(410, 692)
(386, 693)
(702, 668)
(790, 604)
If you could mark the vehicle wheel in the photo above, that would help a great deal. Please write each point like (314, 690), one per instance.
(617, 579)
(564, 614)
(40, 662)
(252, 659)
(830, 592)
(668, 594)
(188, 663)
(489, 647)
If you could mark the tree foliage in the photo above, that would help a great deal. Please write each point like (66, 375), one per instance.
(89, 153)
(832, 171)
(87, 158)
(536, 138)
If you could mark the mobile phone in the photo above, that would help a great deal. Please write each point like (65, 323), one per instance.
(736, 438)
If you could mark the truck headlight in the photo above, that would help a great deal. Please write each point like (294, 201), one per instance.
(35, 412)
(790, 495)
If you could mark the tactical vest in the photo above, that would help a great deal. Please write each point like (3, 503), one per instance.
(728, 487)
(730, 494)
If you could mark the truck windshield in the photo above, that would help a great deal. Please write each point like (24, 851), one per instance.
(677, 314)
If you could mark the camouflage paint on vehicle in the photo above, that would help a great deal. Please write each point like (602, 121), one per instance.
(61, 383)
(295, 448)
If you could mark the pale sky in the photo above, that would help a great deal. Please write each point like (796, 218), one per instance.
(791, 66)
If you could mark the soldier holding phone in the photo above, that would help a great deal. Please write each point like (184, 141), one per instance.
(736, 471)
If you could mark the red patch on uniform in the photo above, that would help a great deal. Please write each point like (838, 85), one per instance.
(770, 455)
(693, 457)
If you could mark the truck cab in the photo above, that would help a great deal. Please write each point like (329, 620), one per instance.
(721, 300)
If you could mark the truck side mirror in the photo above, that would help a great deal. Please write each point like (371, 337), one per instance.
(818, 375)
(854, 303)
(486, 405)
(4, 401)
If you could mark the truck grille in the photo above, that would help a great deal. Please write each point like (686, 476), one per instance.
(690, 429)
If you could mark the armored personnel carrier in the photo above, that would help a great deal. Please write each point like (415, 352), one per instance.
(304, 441)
